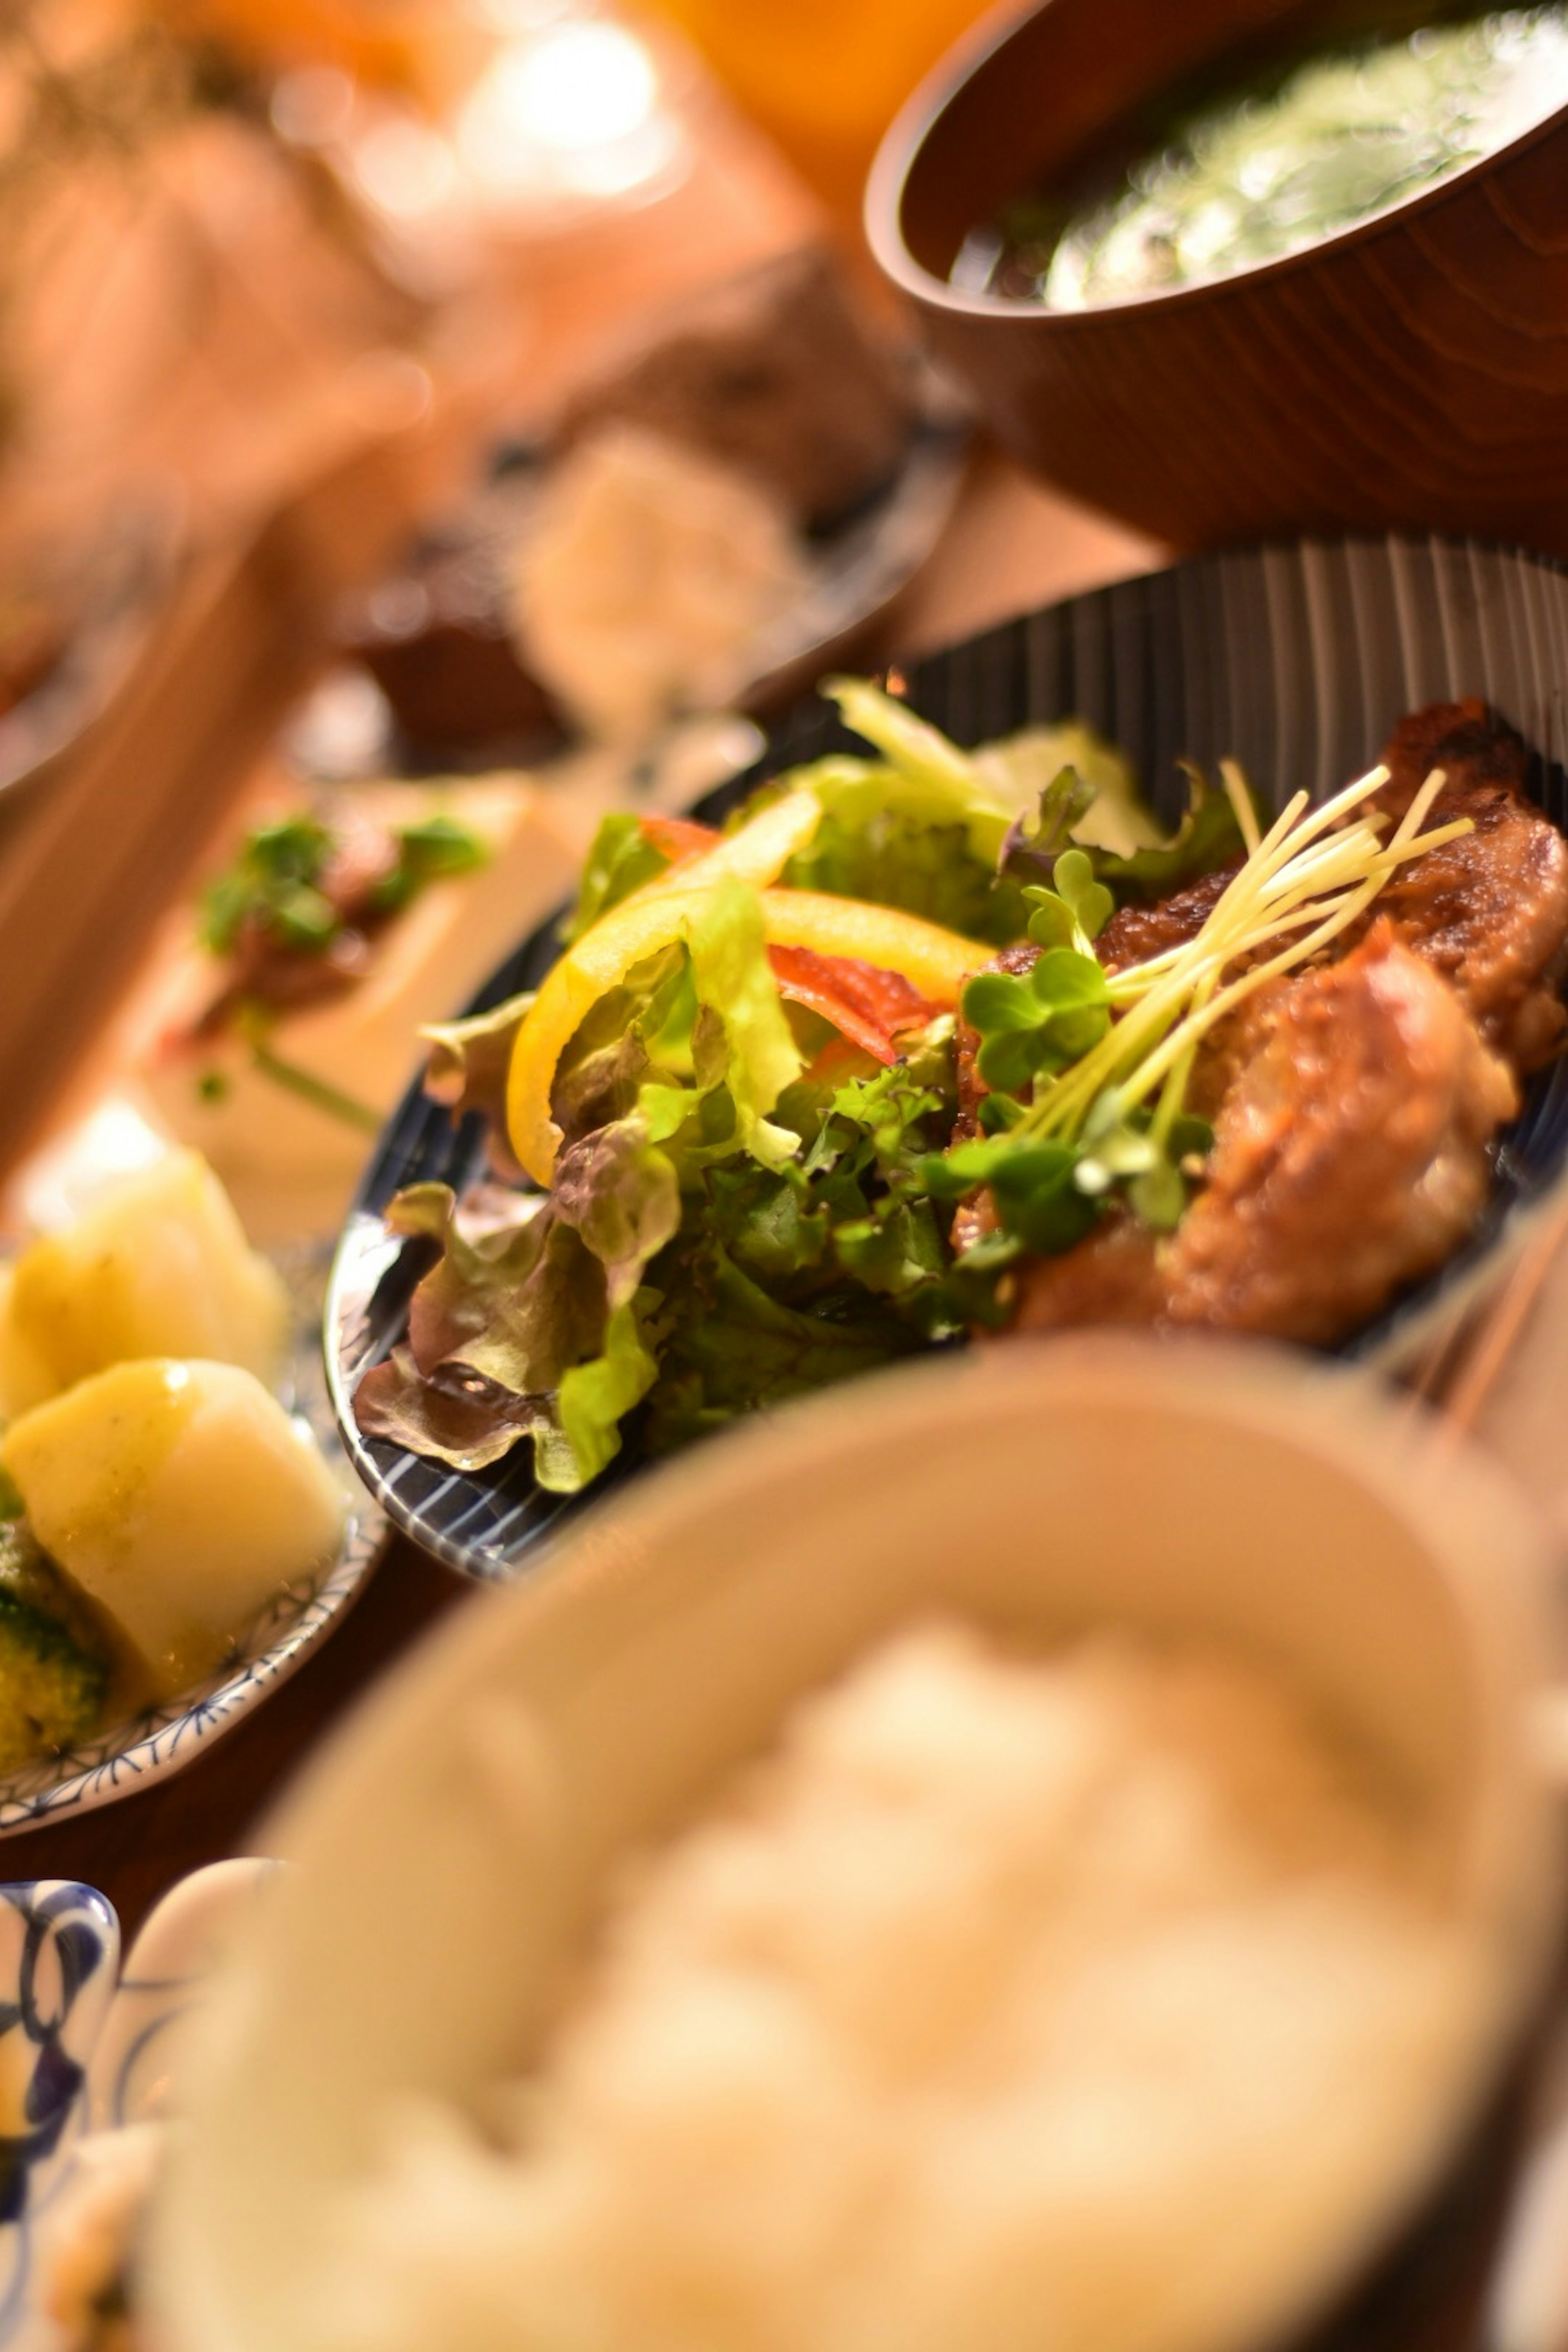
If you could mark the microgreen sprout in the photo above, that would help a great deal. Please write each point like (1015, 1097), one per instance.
(1088, 1070)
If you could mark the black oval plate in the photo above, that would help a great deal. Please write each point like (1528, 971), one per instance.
(1294, 660)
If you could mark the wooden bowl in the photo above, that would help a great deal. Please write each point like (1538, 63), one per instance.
(1411, 370)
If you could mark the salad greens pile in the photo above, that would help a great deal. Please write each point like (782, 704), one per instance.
(749, 1201)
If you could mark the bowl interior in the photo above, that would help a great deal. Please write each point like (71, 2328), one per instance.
(465, 1827)
(1065, 97)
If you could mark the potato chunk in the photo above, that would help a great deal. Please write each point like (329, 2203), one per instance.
(179, 1495)
(159, 1266)
(26, 1379)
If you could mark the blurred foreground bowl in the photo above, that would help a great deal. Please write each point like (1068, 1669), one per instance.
(1411, 369)
(452, 1852)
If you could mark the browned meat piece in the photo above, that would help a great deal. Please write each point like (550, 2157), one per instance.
(1135, 933)
(1115, 1277)
(1349, 1158)
(1489, 911)
(1351, 1103)
(1454, 735)
(364, 855)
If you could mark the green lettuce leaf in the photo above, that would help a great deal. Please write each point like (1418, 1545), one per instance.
(620, 860)
(731, 1346)
(594, 1400)
(896, 860)
(747, 1045)
(925, 827)
(1207, 836)
(935, 782)
(636, 1031)
(1112, 814)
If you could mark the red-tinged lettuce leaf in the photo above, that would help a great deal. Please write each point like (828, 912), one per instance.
(641, 1027)
(620, 1193)
(518, 1303)
(458, 1418)
(468, 1066)
(524, 1325)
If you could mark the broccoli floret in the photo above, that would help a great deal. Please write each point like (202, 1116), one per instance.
(55, 1661)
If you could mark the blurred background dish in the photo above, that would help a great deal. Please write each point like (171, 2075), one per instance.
(282, 1025)
(730, 496)
(1293, 661)
(1409, 371)
(469, 1824)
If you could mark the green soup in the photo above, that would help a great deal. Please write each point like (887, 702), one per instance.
(1258, 174)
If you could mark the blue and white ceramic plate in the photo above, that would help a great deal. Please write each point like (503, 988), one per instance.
(164, 1738)
(1296, 661)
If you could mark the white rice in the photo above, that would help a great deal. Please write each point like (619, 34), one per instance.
(1085, 2003)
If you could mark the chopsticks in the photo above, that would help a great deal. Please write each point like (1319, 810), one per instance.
(1460, 1374)
(89, 874)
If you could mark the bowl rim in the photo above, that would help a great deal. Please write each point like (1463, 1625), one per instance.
(1352, 1431)
(903, 148)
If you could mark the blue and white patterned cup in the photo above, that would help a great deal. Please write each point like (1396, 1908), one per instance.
(59, 1960)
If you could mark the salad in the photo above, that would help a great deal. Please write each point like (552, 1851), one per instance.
(744, 1111)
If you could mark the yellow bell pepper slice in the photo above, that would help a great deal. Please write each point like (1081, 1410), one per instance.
(757, 854)
(934, 961)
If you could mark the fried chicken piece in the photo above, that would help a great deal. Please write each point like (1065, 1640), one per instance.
(1352, 1102)
(1134, 934)
(1489, 911)
(1349, 1158)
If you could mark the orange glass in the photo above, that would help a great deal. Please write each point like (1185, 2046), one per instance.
(824, 78)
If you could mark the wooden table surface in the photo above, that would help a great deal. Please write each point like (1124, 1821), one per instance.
(1010, 544)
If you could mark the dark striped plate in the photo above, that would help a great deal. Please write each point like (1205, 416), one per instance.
(1294, 660)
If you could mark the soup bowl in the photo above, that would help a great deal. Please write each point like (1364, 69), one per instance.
(1411, 369)
(450, 1857)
